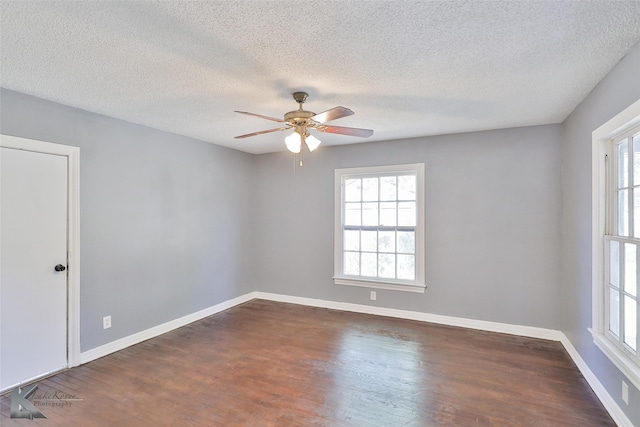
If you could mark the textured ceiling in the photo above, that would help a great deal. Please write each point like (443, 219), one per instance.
(407, 68)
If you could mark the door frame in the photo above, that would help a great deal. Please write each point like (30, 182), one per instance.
(73, 231)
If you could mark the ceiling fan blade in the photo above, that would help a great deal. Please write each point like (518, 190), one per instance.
(364, 133)
(261, 116)
(332, 114)
(261, 132)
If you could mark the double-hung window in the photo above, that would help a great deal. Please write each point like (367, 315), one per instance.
(622, 242)
(379, 227)
(615, 258)
(616, 240)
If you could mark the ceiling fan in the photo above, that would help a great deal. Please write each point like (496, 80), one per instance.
(301, 121)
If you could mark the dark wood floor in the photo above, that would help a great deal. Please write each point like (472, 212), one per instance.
(273, 364)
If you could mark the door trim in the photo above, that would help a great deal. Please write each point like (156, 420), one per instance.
(73, 231)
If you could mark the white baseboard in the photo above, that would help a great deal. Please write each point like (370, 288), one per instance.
(136, 338)
(607, 401)
(527, 331)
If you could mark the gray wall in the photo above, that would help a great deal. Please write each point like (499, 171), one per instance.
(164, 219)
(493, 212)
(615, 92)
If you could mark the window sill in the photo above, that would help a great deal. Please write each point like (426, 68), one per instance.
(376, 284)
(619, 358)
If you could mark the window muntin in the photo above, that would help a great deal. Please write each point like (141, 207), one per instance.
(380, 226)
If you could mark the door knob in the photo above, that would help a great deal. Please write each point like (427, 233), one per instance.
(60, 267)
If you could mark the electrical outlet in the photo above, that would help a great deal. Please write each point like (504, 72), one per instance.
(373, 295)
(106, 322)
(625, 392)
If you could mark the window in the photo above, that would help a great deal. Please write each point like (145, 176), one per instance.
(379, 227)
(616, 240)
(622, 240)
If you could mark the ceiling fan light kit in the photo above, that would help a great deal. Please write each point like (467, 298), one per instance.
(312, 142)
(293, 142)
(301, 121)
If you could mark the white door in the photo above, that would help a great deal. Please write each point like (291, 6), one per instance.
(33, 241)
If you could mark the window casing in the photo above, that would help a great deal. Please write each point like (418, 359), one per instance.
(379, 227)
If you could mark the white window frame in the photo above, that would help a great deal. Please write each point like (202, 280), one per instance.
(622, 357)
(417, 285)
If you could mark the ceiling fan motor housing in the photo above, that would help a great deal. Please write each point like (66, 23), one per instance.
(299, 117)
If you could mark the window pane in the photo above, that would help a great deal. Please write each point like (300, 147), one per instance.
(630, 326)
(351, 240)
(369, 242)
(636, 160)
(388, 213)
(370, 189)
(623, 213)
(352, 214)
(407, 187)
(370, 213)
(388, 188)
(614, 311)
(386, 241)
(406, 242)
(406, 267)
(407, 213)
(352, 263)
(614, 263)
(387, 266)
(369, 266)
(630, 268)
(352, 189)
(623, 165)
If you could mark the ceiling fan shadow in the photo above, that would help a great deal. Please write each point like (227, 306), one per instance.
(426, 105)
(172, 35)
